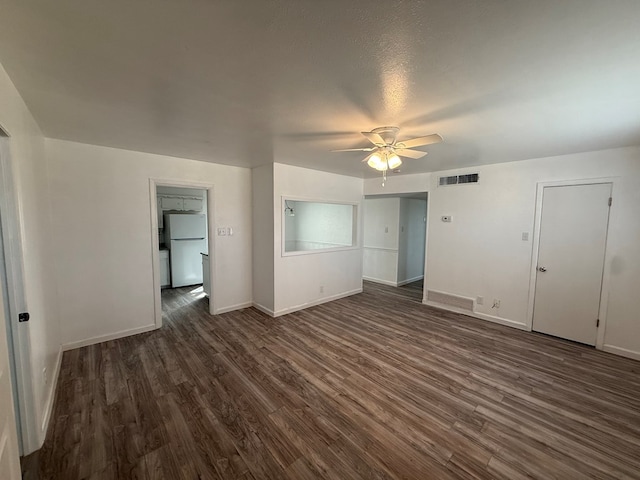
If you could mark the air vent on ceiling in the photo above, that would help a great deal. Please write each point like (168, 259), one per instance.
(459, 179)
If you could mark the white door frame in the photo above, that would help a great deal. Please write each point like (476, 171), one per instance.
(426, 247)
(154, 183)
(12, 241)
(606, 276)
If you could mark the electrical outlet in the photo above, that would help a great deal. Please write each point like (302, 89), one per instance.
(446, 218)
(525, 236)
(386, 229)
(44, 376)
(222, 232)
(496, 303)
(480, 300)
(321, 288)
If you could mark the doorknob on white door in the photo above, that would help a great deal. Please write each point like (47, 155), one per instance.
(542, 269)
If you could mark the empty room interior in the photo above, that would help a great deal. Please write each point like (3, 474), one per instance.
(318, 239)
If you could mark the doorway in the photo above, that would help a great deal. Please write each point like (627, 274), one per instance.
(572, 241)
(16, 383)
(394, 241)
(9, 450)
(182, 243)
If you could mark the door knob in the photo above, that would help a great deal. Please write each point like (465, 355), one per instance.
(542, 269)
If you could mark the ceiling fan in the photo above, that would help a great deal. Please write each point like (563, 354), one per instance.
(387, 150)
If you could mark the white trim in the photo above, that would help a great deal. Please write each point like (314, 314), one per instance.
(386, 249)
(623, 352)
(264, 309)
(51, 395)
(231, 308)
(316, 302)
(110, 336)
(426, 243)
(319, 250)
(379, 280)
(608, 257)
(392, 284)
(482, 316)
(17, 301)
(155, 253)
(410, 280)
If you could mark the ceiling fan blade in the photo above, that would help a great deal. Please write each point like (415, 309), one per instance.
(355, 149)
(374, 138)
(405, 152)
(418, 142)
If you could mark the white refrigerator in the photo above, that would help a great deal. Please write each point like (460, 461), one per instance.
(185, 236)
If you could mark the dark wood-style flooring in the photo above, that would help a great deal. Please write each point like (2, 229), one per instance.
(374, 386)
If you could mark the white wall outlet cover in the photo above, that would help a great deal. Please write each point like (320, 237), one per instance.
(230, 231)
(447, 218)
(222, 232)
(525, 236)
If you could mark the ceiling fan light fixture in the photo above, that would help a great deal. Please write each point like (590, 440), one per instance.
(376, 161)
(384, 156)
(394, 161)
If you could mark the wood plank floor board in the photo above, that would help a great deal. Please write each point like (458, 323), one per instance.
(372, 386)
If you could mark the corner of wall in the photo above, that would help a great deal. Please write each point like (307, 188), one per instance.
(50, 398)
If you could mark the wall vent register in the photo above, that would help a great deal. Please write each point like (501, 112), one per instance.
(459, 179)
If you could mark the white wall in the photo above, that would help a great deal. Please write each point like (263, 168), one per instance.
(419, 182)
(381, 225)
(299, 278)
(34, 232)
(481, 253)
(102, 236)
(263, 243)
(411, 249)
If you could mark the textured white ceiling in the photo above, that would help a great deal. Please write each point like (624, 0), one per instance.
(247, 82)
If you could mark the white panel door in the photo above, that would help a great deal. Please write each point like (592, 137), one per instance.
(9, 457)
(573, 235)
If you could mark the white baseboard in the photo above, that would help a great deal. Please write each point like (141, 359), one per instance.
(379, 280)
(410, 280)
(623, 352)
(231, 308)
(264, 309)
(392, 284)
(320, 301)
(110, 336)
(51, 394)
(481, 316)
